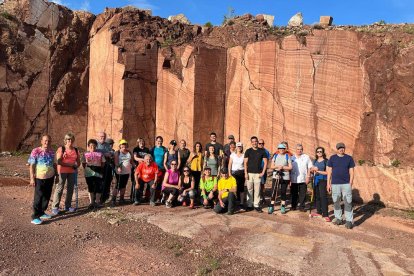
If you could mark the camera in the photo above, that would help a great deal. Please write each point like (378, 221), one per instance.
(277, 174)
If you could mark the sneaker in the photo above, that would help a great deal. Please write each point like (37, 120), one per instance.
(98, 205)
(242, 208)
(184, 204)
(71, 210)
(136, 202)
(192, 206)
(206, 206)
(36, 221)
(113, 204)
(258, 209)
(152, 204)
(315, 215)
(55, 211)
(46, 216)
(248, 209)
(91, 206)
(327, 219)
(121, 201)
(270, 209)
(230, 213)
(168, 204)
(282, 209)
(348, 225)
(337, 221)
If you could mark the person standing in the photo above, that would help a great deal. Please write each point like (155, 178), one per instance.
(106, 149)
(158, 153)
(282, 165)
(236, 166)
(264, 177)
(171, 155)
(218, 148)
(227, 188)
(299, 176)
(253, 172)
(212, 160)
(340, 179)
(184, 154)
(196, 161)
(123, 163)
(320, 184)
(68, 160)
(138, 153)
(93, 163)
(227, 152)
(231, 140)
(42, 172)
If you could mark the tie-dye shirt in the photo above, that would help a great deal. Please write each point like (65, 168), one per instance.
(94, 161)
(44, 161)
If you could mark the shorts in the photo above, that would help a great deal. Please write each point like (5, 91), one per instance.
(121, 181)
(94, 184)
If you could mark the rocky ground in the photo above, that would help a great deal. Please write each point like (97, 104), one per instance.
(140, 239)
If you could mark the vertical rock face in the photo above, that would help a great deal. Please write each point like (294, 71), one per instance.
(43, 72)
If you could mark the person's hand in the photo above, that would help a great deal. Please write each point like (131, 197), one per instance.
(154, 185)
(119, 170)
(329, 187)
(205, 202)
(261, 174)
(32, 182)
(246, 176)
(221, 204)
(184, 193)
(210, 195)
(279, 168)
(136, 186)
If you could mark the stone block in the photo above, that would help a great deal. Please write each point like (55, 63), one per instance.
(326, 20)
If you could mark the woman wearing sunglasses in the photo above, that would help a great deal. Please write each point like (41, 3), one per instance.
(187, 188)
(171, 185)
(319, 184)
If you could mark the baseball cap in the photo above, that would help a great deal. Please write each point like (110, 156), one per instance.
(173, 142)
(281, 146)
(239, 144)
(109, 141)
(231, 136)
(123, 141)
(340, 145)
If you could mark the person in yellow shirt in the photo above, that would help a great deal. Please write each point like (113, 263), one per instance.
(227, 188)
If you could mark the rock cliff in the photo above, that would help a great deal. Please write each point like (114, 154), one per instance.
(149, 76)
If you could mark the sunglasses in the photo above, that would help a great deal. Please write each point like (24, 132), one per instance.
(319, 151)
(173, 164)
(186, 171)
(261, 143)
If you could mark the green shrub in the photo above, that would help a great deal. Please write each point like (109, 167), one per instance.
(395, 163)
(208, 25)
(361, 162)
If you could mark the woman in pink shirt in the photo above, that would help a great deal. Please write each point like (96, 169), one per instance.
(68, 160)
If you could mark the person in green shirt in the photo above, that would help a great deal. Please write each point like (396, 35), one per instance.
(208, 187)
(227, 187)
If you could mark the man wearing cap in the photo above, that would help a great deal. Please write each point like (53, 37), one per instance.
(299, 176)
(281, 165)
(227, 193)
(227, 152)
(227, 146)
(340, 170)
(106, 149)
(218, 148)
(253, 172)
(264, 177)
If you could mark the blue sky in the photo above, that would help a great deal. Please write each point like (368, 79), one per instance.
(345, 12)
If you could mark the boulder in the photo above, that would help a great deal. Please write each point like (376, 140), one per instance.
(296, 20)
(326, 21)
(180, 18)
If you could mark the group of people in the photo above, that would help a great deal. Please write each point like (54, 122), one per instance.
(220, 177)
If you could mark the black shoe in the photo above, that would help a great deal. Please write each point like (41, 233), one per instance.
(136, 203)
(248, 209)
(302, 210)
(337, 221)
(293, 209)
(258, 209)
(349, 225)
(230, 213)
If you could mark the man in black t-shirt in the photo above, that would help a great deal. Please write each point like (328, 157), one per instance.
(218, 148)
(139, 153)
(184, 154)
(254, 171)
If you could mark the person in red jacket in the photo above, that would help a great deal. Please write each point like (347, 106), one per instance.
(146, 174)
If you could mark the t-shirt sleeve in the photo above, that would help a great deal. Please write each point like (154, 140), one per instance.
(330, 162)
(289, 159)
(32, 158)
(246, 154)
(351, 162)
(215, 181)
(233, 183)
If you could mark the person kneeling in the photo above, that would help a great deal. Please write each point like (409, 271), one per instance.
(208, 187)
(171, 185)
(227, 188)
(187, 188)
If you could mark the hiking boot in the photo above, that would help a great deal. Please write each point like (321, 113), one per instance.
(113, 204)
(192, 206)
(55, 211)
(168, 204)
(230, 213)
(248, 209)
(36, 221)
(98, 205)
(136, 202)
(337, 221)
(327, 219)
(270, 209)
(282, 209)
(258, 209)
(45, 216)
(348, 225)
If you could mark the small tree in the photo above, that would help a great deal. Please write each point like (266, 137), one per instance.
(229, 16)
(208, 25)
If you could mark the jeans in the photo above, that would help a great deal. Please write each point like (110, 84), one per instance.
(43, 191)
(70, 179)
(107, 181)
(229, 203)
(298, 191)
(140, 191)
(346, 191)
(321, 198)
(253, 190)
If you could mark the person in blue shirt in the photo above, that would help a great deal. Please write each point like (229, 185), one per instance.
(340, 180)
(157, 153)
(320, 183)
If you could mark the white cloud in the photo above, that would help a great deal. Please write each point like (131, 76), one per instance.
(86, 6)
(142, 4)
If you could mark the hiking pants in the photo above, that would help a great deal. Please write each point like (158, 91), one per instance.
(42, 193)
(70, 179)
(253, 190)
(229, 203)
(298, 191)
(321, 198)
(346, 191)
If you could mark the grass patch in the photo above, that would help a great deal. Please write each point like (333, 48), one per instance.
(409, 29)
(210, 265)
(395, 163)
(361, 162)
(8, 16)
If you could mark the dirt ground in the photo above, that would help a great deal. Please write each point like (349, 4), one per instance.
(154, 240)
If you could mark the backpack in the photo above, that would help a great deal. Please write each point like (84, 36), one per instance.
(286, 155)
(76, 150)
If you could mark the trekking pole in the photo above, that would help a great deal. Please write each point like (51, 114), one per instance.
(312, 194)
(275, 184)
(76, 190)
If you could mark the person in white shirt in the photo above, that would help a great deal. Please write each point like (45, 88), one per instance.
(236, 169)
(299, 176)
